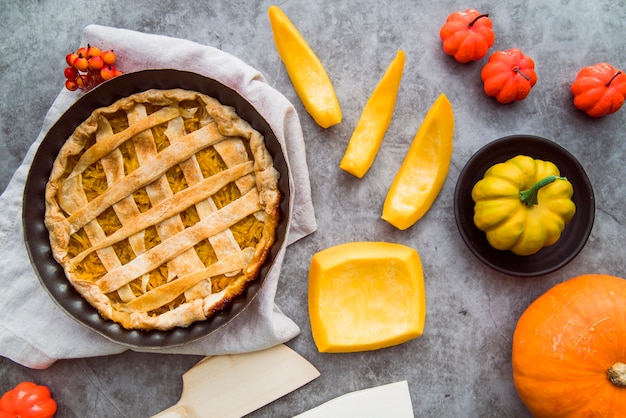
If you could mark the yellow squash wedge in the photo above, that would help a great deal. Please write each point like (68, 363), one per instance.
(307, 74)
(366, 296)
(424, 170)
(374, 121)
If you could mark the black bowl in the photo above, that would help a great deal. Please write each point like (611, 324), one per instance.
(51, 273)
(575, 234)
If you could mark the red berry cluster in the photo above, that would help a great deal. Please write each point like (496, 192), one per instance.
(89, 67)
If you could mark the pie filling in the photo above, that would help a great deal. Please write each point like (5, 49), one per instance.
(162, 207)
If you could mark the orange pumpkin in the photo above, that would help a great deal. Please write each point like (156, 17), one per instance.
(28, 400)
(467, 35)
(508, 75)
(599, 89)
(569, 350)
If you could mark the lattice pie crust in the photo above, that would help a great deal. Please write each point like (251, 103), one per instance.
(162, 207)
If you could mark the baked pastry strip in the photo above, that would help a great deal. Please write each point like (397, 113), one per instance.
(126, 209)
(223, 243)
(99, 150)
(140, 177)
(168, 208)
(166, 293)
(158, 191)
(170, 248)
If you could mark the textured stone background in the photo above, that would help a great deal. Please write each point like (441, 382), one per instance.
(461, 366)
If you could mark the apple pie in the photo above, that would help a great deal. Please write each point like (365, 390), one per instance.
(162, 207)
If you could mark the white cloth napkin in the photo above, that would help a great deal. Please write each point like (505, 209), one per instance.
(34, 331)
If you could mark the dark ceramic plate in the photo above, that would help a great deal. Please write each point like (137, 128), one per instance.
(548, 259)
(36, 235)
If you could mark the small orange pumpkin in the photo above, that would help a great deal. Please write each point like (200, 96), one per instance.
(28, 400)
(467, 35)
(569, 350)
(508, 75)
(599, 89)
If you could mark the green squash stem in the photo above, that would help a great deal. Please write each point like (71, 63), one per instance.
(529, 197)
(617, 374)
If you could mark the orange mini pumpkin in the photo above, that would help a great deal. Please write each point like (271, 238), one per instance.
(569, 350)
(599, 89)
(467, 35)
(508, 75)
(28, 400)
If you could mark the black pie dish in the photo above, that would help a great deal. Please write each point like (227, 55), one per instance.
(575, 234)
(51, 273)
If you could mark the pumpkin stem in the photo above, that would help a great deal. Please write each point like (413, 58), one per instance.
(617, 374)
(529, 196)
(518, 71)
(477, 17)
(608, 83)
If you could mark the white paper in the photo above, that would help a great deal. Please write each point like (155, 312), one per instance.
(390, 400)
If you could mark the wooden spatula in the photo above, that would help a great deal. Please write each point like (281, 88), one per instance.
(235, 385)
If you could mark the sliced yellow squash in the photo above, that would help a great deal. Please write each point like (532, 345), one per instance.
(307, 74)
(366, 296)
(424, 170)
(374, 121)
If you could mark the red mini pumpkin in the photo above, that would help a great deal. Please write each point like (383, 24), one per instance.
(467, 35)
(599, 89)
(508, 75)
(569, 350)
(27, 400)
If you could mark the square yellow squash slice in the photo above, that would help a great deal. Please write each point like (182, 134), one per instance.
(366, 296)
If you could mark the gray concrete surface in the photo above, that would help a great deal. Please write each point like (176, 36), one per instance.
(461, 366)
